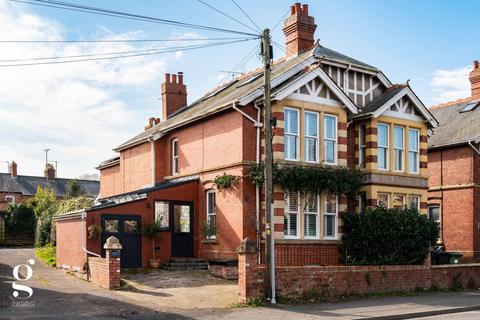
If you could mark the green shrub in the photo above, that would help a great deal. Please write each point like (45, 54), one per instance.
(47, 254)
(388, 236)
(20, 220)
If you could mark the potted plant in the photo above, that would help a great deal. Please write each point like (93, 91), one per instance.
(93, 231)
(150, 231)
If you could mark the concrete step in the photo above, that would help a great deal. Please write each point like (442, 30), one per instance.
(179, 263)
(186, 260)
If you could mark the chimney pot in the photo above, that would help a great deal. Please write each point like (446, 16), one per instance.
(167, 77)
(475, 65)
(305, 9)
(174, 78)
(12, 169)
(292, 10)
(180, 78)
(298, 8)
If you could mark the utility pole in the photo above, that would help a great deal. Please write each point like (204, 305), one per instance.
(269, 245)
(46, 155)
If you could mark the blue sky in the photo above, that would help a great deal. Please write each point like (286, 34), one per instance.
(82, 111)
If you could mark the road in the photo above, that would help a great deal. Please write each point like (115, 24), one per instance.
(57, 295)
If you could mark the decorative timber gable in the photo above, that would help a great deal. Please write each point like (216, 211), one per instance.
(360, 86)
(404, 105)
(316, 89)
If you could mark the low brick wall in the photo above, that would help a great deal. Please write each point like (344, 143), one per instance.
(225, 272)
(300, 254)
(335, 281)
(104, 272)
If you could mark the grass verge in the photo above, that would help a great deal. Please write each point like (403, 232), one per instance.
(47, 254)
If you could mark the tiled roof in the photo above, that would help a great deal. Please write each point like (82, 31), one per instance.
(28, 185)
(380, 100)
(323, 52)
(455, 126)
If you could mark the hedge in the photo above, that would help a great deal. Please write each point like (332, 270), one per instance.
(388, 236)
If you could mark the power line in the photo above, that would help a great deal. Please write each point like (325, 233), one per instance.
(124, 15)
(226, 15)
(113, 53)
(122, 41)
(251, 20)
(119, 56)
(281, 19)
(250, 54)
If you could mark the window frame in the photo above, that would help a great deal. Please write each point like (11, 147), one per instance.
(9, 199)
(417, 152)
(402, 150)
(404, 200)
(316, 138)
(439, 217)
(362, 146)
(210, 213)
(317, 219)
(387, 147)
(155, 202)
(296, 136)
(410, 202)
(388, 199)
(175, 159)
(287, 213)
(325, 213)
(335, 140)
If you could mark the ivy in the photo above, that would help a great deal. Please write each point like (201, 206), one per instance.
(226, 181)
(341, 180)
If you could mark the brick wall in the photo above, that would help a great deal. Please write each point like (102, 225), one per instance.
(104, 272)
(110, 181)
(70, 254)
(225, 272)
(303, 253)
(337, 281)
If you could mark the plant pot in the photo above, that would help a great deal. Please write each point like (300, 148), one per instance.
(154, 263)
(94, 236)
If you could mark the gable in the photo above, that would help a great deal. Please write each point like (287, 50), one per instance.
(314, 86)
(315, 90)
(404, 106)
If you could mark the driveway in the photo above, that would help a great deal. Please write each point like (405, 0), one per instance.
(192, 289)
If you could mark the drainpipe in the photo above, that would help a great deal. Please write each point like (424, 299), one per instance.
(258, 125)
(152, 158)
(84, 223)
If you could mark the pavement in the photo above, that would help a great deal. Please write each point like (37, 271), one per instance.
(57, 295)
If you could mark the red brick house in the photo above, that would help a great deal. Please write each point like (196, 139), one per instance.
(331, 110)
(454, 171)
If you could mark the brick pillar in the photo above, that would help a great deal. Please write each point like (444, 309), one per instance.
(250, 276)
(112, 256)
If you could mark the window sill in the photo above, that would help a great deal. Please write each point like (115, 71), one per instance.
(307, 241)
(209, 241)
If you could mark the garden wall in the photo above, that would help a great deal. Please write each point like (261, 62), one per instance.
(335, 281)
(104, 272)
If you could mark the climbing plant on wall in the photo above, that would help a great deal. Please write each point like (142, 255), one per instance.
(341, 180)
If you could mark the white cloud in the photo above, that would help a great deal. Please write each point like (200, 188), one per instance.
(448, 85)
(79, 110)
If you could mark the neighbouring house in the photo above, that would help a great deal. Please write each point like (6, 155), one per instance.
(331, 110)
(454, 171)
(15, 188)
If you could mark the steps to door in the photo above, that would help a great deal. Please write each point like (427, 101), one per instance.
(178, 263)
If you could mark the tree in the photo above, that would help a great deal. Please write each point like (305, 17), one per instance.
(20, 220)
(73, 189)
(45, 205)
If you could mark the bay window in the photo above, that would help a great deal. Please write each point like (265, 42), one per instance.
(398, 147)
(399, 200)
(383, 146)
(383, 199)
(330, 139)
(291, 131)
(311, 136)
(414, 202)
(413, 150)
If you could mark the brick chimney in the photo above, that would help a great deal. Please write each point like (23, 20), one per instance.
(12, 169)
(475, 80)
(49, 172)
(174, 94)
(299, 29)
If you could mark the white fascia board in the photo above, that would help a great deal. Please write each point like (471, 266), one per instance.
(242, 101)
(418, 104)
(349, 66)
(332, 86)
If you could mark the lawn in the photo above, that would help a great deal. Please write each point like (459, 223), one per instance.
(47, 254)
